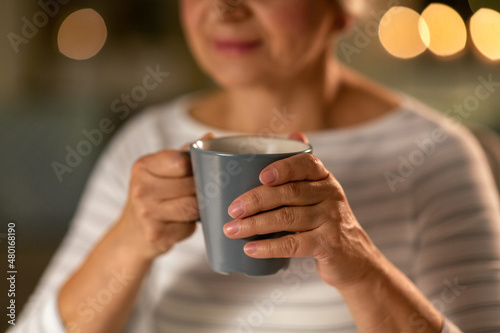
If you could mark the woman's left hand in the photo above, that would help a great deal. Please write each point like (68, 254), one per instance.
(300, 195)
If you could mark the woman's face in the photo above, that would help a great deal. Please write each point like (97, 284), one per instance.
(246, 42)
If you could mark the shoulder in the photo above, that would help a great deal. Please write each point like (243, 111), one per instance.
(416, 121)
(162, 126)
(437, 148)
(435, 129)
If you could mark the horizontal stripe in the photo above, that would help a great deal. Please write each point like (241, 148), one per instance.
(201, 326)
(484, 258)
(460, 213)
(485, 330)
(447, 195)
(180, 297)
(475, 308)
(476, 235)
(487, 282)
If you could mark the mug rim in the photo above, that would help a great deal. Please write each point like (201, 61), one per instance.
(195, 147)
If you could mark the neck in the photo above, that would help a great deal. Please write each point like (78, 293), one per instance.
(300, 105)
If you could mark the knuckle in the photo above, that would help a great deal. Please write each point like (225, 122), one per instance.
(250, 224)
(140, 165)
(327, 247)
(291, 245)
(286, 218)
(138, 191)
(322, 211)
(142, 212)
(292, 190)
(253, 198)
(322, 216)
(177, 160)
(313, 162)
(336, 189)
(310, 159)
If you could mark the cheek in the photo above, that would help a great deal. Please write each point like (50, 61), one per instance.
(186, 10)
(191, 11)
(295, 17)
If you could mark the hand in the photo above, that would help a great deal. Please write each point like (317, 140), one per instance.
(300, 195)
(161, 209)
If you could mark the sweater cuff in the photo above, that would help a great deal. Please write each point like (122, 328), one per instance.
(51, 319)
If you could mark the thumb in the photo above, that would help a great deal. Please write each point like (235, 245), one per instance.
(299, 136)
(208, 135)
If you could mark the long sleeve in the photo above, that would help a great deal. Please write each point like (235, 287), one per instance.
(457, 248)
(100, 206)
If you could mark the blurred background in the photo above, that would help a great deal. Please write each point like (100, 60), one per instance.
(67, 65)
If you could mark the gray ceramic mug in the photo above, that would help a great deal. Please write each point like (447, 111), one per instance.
(225, 168)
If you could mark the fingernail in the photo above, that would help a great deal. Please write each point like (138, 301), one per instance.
(268, 176)
(236, 209)
(250, 248)
(231, 228)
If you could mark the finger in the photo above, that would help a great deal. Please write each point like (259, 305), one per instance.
(151, 188)
(264, 198)
(298, 167)
(165, 164)
(183, 209)
(299, 136)
(296, 245)
(208, 135)
(293, 219)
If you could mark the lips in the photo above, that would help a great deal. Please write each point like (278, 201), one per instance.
(236, 47)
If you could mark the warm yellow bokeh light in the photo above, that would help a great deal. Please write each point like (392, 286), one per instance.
(445, 28)
(399, 32)
(82, 34)
(485, 32)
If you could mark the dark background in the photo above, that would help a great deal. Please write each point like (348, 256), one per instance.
(46, 100)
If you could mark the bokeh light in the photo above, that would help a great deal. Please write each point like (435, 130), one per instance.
(485, 32)
(402, 32)
(446, 29)
(82, 34)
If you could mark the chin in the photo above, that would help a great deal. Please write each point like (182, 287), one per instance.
(238, 78)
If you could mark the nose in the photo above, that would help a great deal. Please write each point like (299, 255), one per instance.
(231, 10)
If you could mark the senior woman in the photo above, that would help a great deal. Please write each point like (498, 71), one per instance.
(394, 221)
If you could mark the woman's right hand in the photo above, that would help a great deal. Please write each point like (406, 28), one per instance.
(161, 209)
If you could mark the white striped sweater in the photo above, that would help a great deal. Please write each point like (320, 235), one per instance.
(418, 185)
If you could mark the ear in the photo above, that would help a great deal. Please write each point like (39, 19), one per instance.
(343, 22)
